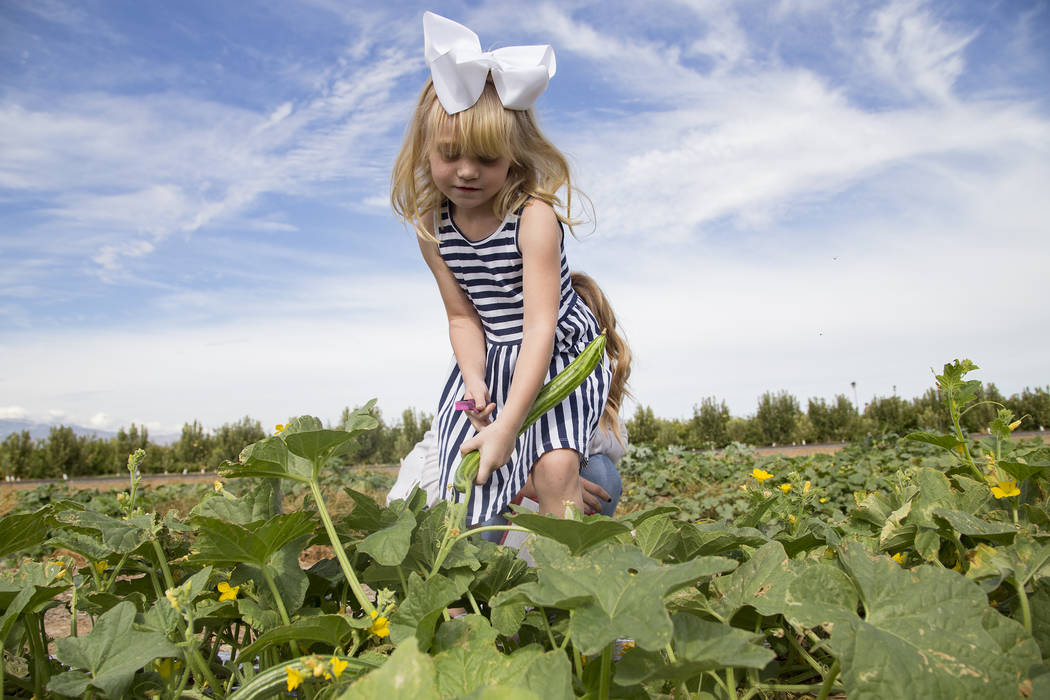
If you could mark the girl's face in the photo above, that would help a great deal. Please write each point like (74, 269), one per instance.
(469, 181)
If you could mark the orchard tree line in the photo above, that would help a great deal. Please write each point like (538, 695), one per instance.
(65, 453)
(780, 420)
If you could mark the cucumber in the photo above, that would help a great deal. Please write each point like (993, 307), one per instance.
(553, 393)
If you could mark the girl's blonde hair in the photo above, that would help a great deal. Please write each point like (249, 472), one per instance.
(616, 348)
(486, 130)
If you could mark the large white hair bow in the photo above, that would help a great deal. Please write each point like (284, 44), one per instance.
(459, 67)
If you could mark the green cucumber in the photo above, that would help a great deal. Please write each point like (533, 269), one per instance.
(553, 393)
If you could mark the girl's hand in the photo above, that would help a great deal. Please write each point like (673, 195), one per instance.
(479, 394)
(496, 444)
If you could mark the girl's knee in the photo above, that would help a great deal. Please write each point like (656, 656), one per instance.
(557, 464)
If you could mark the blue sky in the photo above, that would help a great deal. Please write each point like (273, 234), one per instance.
(792, 195)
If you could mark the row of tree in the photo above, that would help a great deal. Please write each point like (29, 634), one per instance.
(778, 419)
(64, 453)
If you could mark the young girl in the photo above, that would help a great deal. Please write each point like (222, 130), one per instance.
(478, 181)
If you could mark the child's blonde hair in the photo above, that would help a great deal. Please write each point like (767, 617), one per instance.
(616, 349)
(486, 130)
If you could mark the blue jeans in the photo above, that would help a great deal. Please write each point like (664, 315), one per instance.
(599, 469)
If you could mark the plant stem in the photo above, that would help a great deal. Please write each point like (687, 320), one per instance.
(40, 665)
(806, 656)
(473, 603)
(1026, 611)
(606, 672)
(340, 554)
(731, 682)
(272, 585)
(829, 680)
(162, 561)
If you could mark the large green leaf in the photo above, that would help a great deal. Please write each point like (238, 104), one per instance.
(253, 506)
(422, 607)
(924, 633)
(966, 524)
(699, 645)
(614, 591)
(225, 543)
(269, 458)
(948, 442)
(1025, 560)
(22, 531)
(703, 539)
(316, 445)
(112, 652)
(577, 535)
(389, 544)
(408, 675)
(502, 569)
(468, 662)
(121, 536)
(330, 630)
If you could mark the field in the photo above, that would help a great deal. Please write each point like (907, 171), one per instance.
(889, 568)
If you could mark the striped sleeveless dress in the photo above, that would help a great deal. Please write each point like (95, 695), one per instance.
(490, 272)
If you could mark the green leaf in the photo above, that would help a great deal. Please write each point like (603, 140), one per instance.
(253, 506)
(699, 646)
(1023, 470)
(269, 458)
(316, 445)
(577, 535)
(656, 537)
(948, 442)
(224, 543)
(966, 524)
(1025, 560)
(408, 675)
(615, 591)
(121, 536)
(423, 606)
(637, 518)
(330, 630)
(1039, 601)
(22, 531)
(389, 545)
(704, 539)
(503, 568)
(923, 634)
(113, 651)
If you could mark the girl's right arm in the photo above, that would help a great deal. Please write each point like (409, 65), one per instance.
(464, 329)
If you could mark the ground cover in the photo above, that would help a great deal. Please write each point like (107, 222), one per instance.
(900, 568)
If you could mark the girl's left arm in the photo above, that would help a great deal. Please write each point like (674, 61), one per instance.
(539, 239)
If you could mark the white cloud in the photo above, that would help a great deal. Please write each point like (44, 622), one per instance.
(12, 412)
(100, 421)
(912, 49)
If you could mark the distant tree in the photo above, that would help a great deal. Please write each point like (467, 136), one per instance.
(892, 414)
(709, 421)
(1034, 403)
(16, 455)
(776, 417)
(643, 426)
(192, 448)
(228, 441)
(62, 453)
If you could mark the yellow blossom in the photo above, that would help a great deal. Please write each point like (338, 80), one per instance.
(1016, 424)
(226, 591)
(380, 626)
(806, 487)
(760, 474)
(279, 428)
(170, 595)
(785, 487)
(295, 677)
(218, 486)
(791, 518)
(101, 566)
(823, 499)
(165, 667)
(1006, 489)
(338, 666)
(899, 558)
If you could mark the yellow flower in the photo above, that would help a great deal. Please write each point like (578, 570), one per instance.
(101, 566)
(218, 486)
(279, 428)
(226, 591)
(165, 667)
(1006, 489)
(380, 626)
(791, 518)
(760, 475)
(1016, 424)
(338, 666)
(823, 499)
(805, 487)
(295, 677)
(899, 558)
(170, 595)
(785, 487)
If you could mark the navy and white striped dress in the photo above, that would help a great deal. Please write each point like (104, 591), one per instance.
(490, 272)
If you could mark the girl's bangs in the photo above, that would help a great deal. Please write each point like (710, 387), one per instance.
(486, 130)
